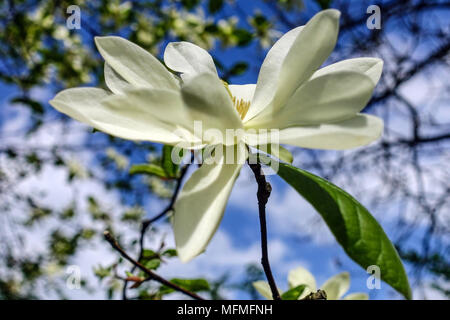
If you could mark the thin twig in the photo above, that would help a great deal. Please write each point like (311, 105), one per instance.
(147, 222)
(113, 242)
(264, 189)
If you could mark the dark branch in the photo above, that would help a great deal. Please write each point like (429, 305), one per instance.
(113, 242)
(264, 189)
(146, 223)
(435, 56)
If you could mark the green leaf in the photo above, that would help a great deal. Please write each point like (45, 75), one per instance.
(147, 253)
(244, 37)
(150, 259)
(102, 272)
(153, 264)
(151, 169)
(193, 285)
(168, 166)
(355, 229)
(129, 274)
(170, 253)
(294, 293)
(280, 152)
(215, 5)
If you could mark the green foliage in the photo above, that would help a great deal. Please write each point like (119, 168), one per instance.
(291, 4)
(31, 269)
(37, 214)
(134, 214)
(238, 69)
(242, 36)
(102, 272)
(279, 152)
(150, 169)
(35, 106)
(96, 211)
(190, 4)
(170, 253)
(261, 23)
(293, 293)
(34, 160)
(153, 264)
(284, 154)
(355, 229)
(151, 259)
(170, 168)
(68, 213)
(215, 5)
(87, 233)
(193, 285)
(162, 167)
(324, 4)
(63, 246)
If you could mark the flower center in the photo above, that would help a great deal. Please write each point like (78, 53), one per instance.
(241, 105)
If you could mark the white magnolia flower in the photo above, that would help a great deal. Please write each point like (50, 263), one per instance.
(311, 108)
(335, 287)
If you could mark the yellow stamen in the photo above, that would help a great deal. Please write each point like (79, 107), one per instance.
(240, 104)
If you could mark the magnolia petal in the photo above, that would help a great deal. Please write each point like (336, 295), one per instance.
(139, 115)
(371, 67)
(201, 205)
(188, 59)
(263, 288)
(134, 64)
(149, 114)
(242, 92)
(337, 286)
(300, 276)
(114, 81)
(270, 69)
(357, 296)
(210, 104)
(331, 97)
(77, 102)
(310, 49)
(355, 132)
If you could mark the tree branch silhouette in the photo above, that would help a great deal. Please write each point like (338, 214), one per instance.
(263, 194)
(113, 242)
(148, 222)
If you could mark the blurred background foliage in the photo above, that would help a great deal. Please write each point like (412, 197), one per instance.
(39, 54)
